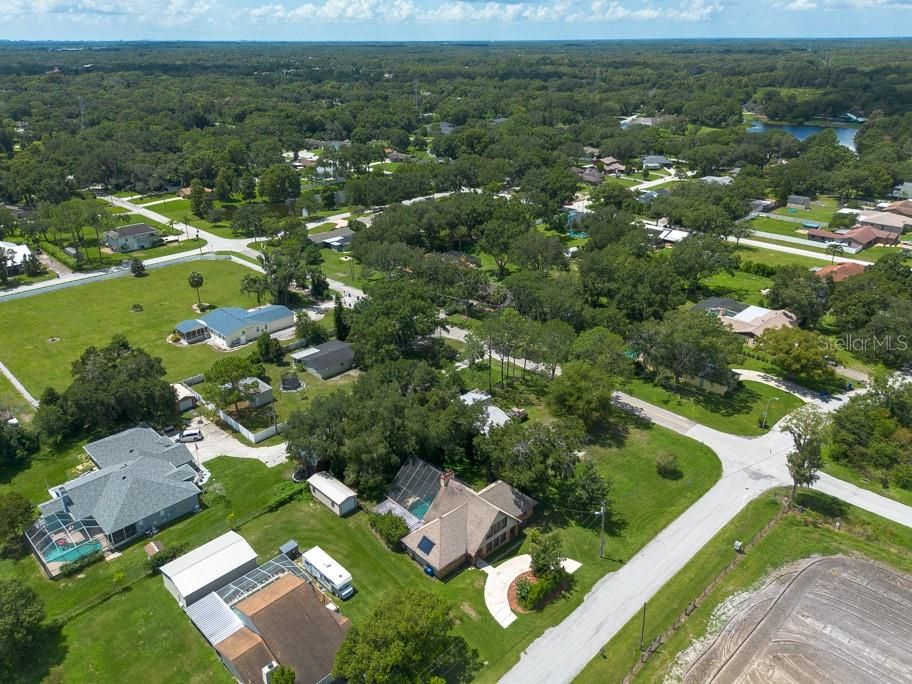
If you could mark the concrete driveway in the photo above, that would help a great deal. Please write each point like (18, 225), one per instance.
(217, 442)
(497, 584)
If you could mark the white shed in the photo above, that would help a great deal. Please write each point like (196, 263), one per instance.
(333, 494)
(208, 568)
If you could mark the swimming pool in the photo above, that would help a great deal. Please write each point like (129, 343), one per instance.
(419, 508)
(69, 553)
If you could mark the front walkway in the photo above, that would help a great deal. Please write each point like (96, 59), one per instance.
(497, 585)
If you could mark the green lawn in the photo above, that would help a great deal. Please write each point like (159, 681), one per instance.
(643, 503)
(769, 225)
(20, 280)
(101, 635)
(774, 258)
(739, 413)
(12, 400)
(821, 211)
(796, 536)
(155, 198)
(342, 267)
(90, 314)
(844, 472)
(742, 286)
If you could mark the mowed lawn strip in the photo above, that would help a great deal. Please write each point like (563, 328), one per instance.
(90, 314)
(745, 287)
(796, 536)
(739, 413)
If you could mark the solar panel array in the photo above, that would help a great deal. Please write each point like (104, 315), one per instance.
(254, 580)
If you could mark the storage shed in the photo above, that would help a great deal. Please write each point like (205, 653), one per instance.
(333, 494)
(208, 568)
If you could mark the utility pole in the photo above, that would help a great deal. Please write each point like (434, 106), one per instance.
(602, 536)
(643, 628)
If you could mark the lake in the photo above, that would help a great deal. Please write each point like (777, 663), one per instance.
(845, 134)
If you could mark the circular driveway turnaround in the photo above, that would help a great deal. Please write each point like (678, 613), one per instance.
(497, 585)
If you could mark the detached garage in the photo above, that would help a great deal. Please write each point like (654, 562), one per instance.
(208, 568)
(333, 494)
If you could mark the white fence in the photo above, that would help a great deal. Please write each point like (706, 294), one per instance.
(802, 241)
(255, 437)
(120, 272)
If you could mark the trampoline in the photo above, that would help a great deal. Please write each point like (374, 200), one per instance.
(291, 384)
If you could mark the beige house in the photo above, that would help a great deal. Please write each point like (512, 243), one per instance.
(746, 320)
(463, 526)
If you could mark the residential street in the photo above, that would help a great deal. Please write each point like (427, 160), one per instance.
(749, 467)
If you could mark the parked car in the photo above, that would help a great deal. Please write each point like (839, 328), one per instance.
(190, 435)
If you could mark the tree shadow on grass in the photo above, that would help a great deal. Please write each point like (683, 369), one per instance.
(47, 651)
(823, 504)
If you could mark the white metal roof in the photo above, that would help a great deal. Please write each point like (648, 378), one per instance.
(750, 313)
(205, 564)
(337, 492)
(214, 618)
(304, 353)
(325, 563)
(474, 396)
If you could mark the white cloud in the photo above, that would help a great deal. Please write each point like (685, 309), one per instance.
(160, 12)
(796, 5)
(468, 11)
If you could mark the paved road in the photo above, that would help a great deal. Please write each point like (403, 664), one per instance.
(749, 468)
(800, 252)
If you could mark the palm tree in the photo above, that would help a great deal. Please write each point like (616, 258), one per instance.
(195, 280)
(834, 249)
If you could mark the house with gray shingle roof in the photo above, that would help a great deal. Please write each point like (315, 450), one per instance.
(143, 482)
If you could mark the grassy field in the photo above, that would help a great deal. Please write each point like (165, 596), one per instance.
(89, 314)
(643, 504)
(769, 225)
(742, 286)
(773, 258)
(797, 535)
(738, 414)
(843, 472)
(821, 211)
(12, 400)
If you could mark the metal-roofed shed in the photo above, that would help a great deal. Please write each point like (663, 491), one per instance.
(332, 493)
(208, 568)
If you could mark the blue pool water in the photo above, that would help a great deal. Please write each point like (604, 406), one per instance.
(68, 554)
(420, 508)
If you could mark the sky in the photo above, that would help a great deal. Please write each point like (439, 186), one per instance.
(406, 20)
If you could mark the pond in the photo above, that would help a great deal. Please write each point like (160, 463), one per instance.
(845, 134)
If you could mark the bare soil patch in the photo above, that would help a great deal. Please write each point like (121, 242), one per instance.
(822, 619)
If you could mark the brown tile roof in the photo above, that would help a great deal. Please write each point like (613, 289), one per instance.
(297, 628)
(509, 500)
(866, 235)
(903, 207)
(247, 653)
(840, 272)
(459, 520)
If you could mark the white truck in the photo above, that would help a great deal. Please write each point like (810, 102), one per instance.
(325, 570)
